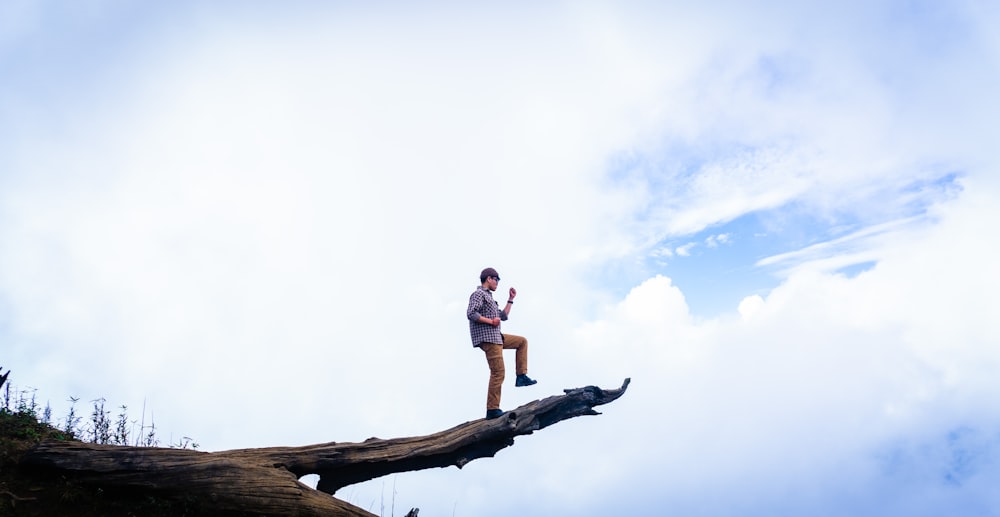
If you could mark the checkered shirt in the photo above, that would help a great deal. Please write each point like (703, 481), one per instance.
(481, 303)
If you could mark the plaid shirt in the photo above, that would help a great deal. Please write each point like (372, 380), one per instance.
(481, 303)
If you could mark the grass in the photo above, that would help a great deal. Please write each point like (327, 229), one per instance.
(32, 493)
(28, 492)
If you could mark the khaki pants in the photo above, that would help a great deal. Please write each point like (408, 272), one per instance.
(494, 358)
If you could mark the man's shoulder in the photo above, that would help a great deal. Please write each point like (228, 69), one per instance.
(480, 295)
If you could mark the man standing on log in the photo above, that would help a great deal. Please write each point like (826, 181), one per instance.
(485, 316)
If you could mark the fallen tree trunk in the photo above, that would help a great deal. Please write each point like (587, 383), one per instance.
(265, 481)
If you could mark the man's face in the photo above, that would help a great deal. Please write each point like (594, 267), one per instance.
(491, 282)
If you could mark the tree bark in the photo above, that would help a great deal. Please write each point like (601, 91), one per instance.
(265, 480)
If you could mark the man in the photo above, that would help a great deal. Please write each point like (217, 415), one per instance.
(484, 325)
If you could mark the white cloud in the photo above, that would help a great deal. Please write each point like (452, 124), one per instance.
(685, 249)
(282, 216)
(269, 235)
(714, 241)
(663, 252)
(818, 382)
(749, 306)
(857, 247)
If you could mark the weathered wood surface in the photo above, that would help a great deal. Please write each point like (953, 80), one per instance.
(265, 480)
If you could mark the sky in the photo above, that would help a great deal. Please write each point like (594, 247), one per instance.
(258, 224)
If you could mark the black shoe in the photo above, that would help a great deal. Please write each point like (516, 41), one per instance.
(493, 413)
(524, 380)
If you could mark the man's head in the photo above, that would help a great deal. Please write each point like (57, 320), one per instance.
(486, 275)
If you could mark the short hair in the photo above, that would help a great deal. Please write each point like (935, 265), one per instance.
(488, 272)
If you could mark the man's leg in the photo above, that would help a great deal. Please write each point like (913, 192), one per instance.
(494, 358)
(520, 345)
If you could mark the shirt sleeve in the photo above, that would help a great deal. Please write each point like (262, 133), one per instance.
(475, 302)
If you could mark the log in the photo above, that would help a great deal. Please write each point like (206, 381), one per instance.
(264, 481)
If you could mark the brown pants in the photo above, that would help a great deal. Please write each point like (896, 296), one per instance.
(494, 358)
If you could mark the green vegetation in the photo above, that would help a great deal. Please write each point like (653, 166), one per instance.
(27, 492)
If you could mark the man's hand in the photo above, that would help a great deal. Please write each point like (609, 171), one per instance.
(495, 322)
(513, 293)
